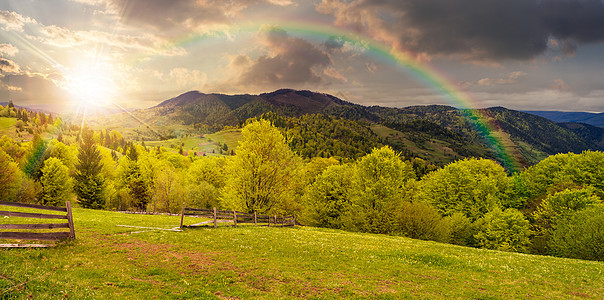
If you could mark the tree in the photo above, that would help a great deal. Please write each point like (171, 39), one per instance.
(56, 183)
(580, 235)
(506, 230)
(90, 185)
(9, 177)
(471, 186)
(379, 183)
(260, 172)
(328, 198)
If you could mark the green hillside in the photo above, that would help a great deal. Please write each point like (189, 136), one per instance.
(436, 133)
(111, 262)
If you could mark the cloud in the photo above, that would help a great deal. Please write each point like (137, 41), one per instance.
(561, 86)
(184, 78)
(66, 38)
(8, 49)
(8, 66)
(173, 16)
(474, 30)
(11, 20)
(509, 79)
(290, 61)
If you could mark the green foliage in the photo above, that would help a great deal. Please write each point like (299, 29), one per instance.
(203, 181)
(582, 169)
(328, 198)
(422, 221)
(260, 172)
(461, 229)
(561, 205)
(377, 188)
(471, 186)
(89, 184)
(506, 230)
(167, 193)
(9, 177)
(319, 135)
(580, 235)
(56, 183)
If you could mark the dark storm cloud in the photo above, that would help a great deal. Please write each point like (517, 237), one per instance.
(474, 29)
(291, 61)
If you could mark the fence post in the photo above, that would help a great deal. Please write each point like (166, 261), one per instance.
(182, 214)
(70, 220)
(294, 221)
(235, 218)
(215, 217)
(255, 219)
(275, 221)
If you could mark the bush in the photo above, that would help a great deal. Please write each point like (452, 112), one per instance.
(503, 230)
(327, 199)
(580, 235)
(460, 227)
(470, 186)
(422, 221)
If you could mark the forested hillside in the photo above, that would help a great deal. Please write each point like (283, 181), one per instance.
(439, 134)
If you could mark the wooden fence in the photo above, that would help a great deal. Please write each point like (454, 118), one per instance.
(29, 235)
(236, 217)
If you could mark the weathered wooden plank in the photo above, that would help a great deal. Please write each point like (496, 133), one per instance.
(34, 226)
(198, 209)
(31, 215)
(43, 236)
(16, 204)
(70, 220)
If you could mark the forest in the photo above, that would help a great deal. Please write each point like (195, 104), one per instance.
(551, 208)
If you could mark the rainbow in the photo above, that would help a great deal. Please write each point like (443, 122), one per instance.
(421, 71)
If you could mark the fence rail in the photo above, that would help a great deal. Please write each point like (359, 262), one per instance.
(237, 217)
(43, 236)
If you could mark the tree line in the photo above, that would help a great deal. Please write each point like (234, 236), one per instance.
(553, 207)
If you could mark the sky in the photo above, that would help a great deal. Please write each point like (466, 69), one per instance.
(519, 54)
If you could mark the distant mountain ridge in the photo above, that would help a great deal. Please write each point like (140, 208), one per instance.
(435, 132)
(594, 119)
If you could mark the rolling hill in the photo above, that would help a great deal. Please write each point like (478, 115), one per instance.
(594, 119)
(437, 133)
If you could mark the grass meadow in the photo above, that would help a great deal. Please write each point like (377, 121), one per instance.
(247, 262)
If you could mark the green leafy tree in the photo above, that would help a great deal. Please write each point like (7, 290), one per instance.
(56, 183)
(580, 235)
(471, 186)
(422, 221)
(9, 177)
(561, 205)
(506, 230)
(89, 184)
(555, 207)
(557, 172)
(203, 181)
(378, 186)
(260, 172)
(328, 198)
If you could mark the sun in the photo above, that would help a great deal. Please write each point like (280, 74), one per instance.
(91, 85)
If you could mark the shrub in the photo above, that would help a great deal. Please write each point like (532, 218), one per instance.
(422, 221)
(580, 235)
(460, 227)
(503, 230)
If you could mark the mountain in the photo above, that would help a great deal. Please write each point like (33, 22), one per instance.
(589, 133)
(318, 124)
(594, 119)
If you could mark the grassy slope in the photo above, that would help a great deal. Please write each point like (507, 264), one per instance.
(107, 261)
